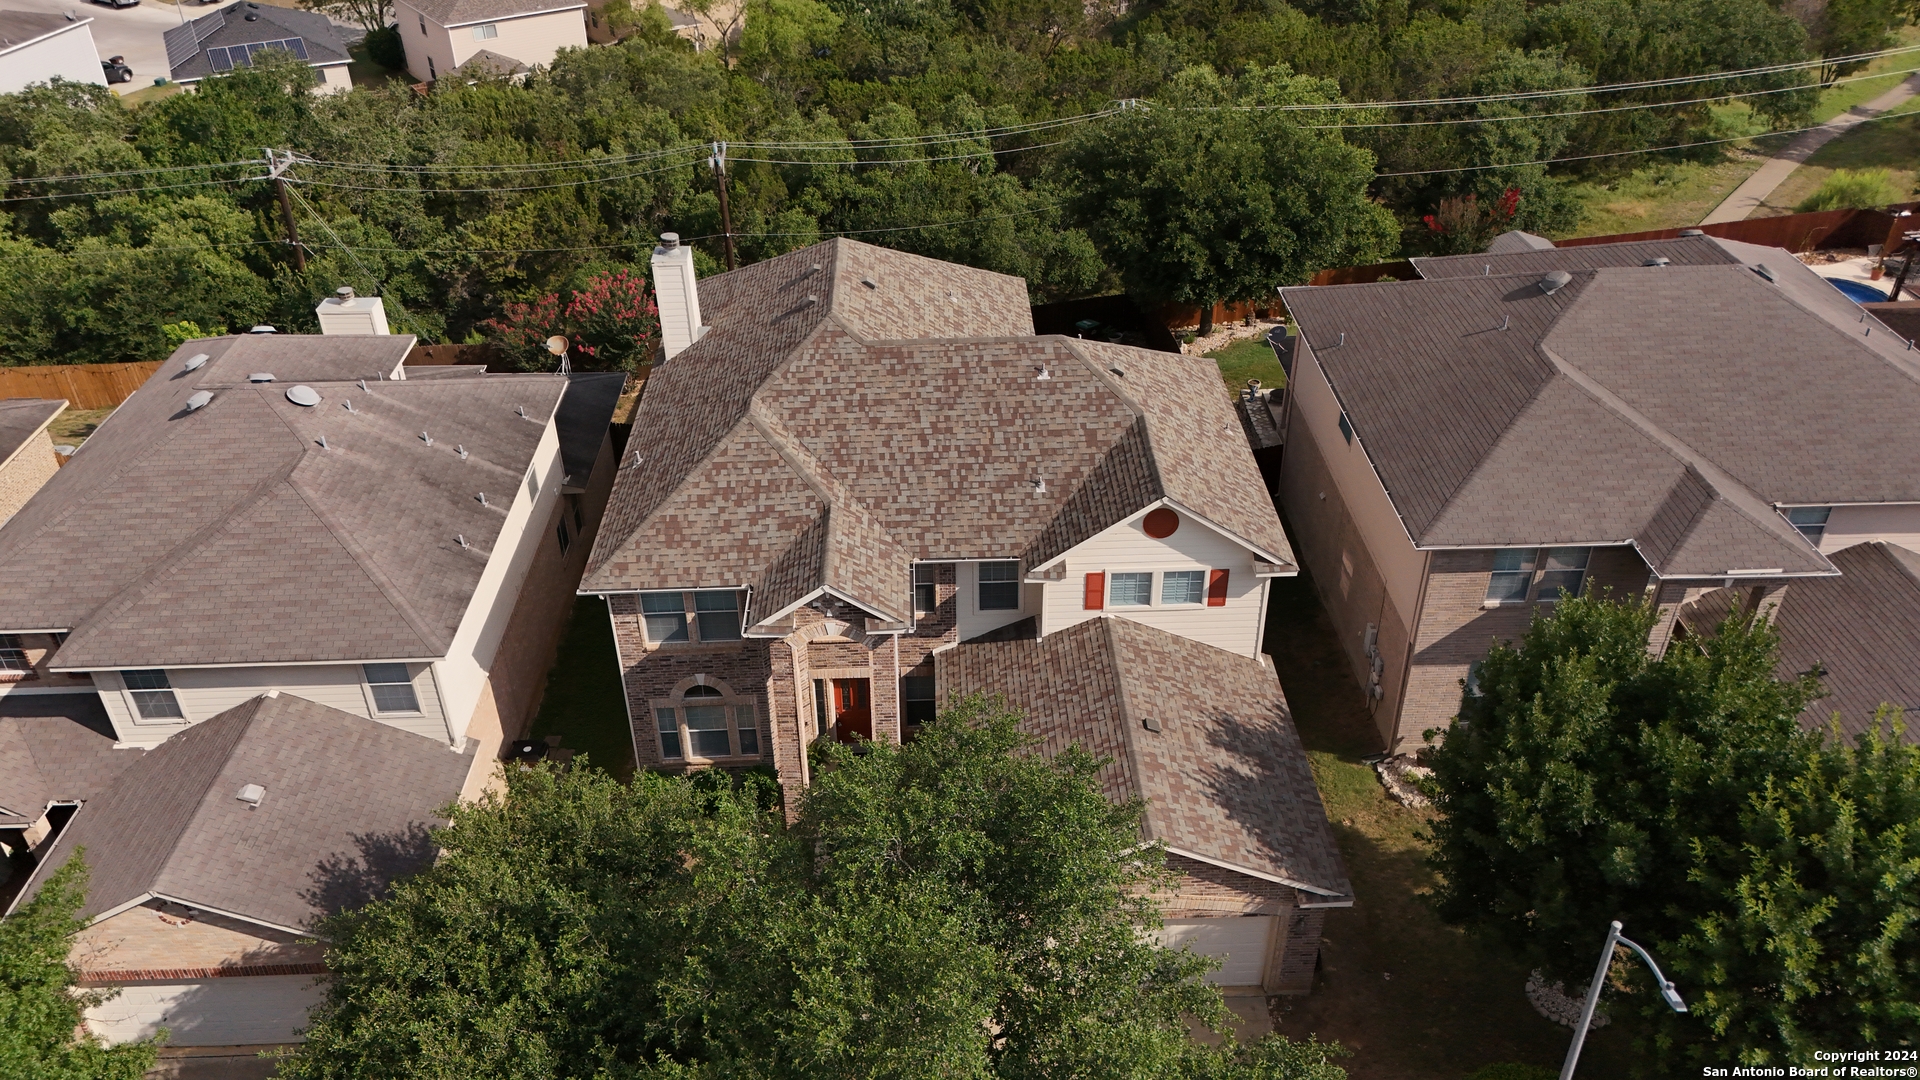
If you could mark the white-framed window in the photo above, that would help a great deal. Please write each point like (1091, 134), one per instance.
(1811, 521)
(566, 538)
(13, 656)
(999, 586)
(1543, 575)
(423, 26)
(152, 694)
(706, 723)
(709, 615)
(925, 596)
(486, 31)
(1130, 589)
(391, 687)
(533, 478)
(1183, 587)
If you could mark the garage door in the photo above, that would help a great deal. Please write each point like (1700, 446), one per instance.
(214, 1012)
(1239, 943)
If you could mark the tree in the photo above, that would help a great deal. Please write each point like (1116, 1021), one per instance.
(959, 907)
(40, 1011)
(611, 322)
(1213, 194)
(1774, 871)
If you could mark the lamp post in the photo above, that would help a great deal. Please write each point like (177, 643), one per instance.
(1667, 993)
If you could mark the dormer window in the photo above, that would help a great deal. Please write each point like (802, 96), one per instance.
(152, 693)
(1811, 521)
(707, 615)
(999, 586)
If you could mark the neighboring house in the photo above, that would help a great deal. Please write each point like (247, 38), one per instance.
(1660, 418)
(38, 46)
(56, 751)
(856, 465)
(227, 39)
(27, 458)
(444, 36)
(308, 515)
(210, 856)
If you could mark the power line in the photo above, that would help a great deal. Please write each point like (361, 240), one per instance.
(120, 172)
(125, 191)
(371, 276)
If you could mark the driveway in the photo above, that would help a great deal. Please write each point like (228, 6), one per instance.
(130, 32)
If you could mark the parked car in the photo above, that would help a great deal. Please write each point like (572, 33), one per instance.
(116, 70)
(119, 3)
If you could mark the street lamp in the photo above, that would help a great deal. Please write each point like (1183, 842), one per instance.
(1667, 993)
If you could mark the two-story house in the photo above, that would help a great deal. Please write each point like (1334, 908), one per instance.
(856, 462)
(1666, 418)
(497, 37)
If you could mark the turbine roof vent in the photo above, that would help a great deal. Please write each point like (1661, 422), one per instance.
(1554, 282)
(303, 395)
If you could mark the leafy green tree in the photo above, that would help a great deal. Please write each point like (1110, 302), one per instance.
(1214, 194)
(957, 907)
(40, 1011)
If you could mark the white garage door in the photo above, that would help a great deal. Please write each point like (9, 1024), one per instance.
(239, 1011)
(1239, 943)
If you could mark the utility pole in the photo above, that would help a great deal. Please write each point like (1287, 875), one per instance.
(719, 163)
(275, 167)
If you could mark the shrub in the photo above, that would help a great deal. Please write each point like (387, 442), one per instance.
(1847, 189)
(384, 48)
(1509, 1070)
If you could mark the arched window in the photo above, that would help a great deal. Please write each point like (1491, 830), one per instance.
(705, 722)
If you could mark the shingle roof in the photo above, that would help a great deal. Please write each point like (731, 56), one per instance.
(54, 747)
(247, 23)
(461, 12)
(347, 801)
(18, 28)
(582, 420)
(233, 521)
(23, 418)
(1670, 407)
(855, 408)
(492, 63)
(1225, 779)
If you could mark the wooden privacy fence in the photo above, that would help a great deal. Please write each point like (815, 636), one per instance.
(85, 386)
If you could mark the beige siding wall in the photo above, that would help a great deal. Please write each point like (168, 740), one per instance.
(334, 79)
(971, 620)
(1850, 525)
(1193, 546)
(429, 46)
(533, 40)
(31, 466)
(206, 692)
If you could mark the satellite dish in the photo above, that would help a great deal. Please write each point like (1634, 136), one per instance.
(199, 400)
(303, 395)
(557, 344)
(197, 361)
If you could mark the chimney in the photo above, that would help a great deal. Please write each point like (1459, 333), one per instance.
(676, 294)
(345, 313)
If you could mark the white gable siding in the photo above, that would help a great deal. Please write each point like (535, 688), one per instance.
(1850, 525)
(1125, 547)
(204, 693)
(970, 621)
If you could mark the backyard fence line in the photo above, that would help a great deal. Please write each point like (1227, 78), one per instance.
(84, 386)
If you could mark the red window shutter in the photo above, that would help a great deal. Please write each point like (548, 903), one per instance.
(1217, 588)
(1096, 591)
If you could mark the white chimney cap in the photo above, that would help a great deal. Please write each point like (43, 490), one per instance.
(669, 240)
(345, 293)
(251, 794)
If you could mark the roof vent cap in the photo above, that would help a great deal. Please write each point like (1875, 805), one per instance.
(263, 328)
(869, 283)
(1658, 260)
(1762, 270)
(304, 395)
(197, 361)
(199, 400)
(669, 240)
(1692, 232)
(260, 376)
(1555, 281)
(251, 794)
(345, 293)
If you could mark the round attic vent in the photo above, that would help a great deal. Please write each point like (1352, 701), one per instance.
(197, 361)
(303, 395)
(1160, 523)
(199, 400)
(260, 376)
(1555, 281)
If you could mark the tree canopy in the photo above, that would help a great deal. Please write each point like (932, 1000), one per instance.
(958, 907)
(1773, 870)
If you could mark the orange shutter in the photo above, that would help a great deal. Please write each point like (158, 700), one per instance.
(1096, 591)
(1217, 588)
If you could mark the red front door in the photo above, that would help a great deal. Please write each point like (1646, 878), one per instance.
(852, 710)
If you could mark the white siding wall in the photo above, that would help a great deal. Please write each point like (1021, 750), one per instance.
(434, 42)
(1193, 546)
(333, 79)
(530, 39)
(1850, 525)
(970, 620)
(206, 692)
(70, 54)
(463, 674)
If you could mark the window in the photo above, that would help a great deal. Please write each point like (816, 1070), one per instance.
(1565, 569)
(566, 539)
(486, 31)
(1512, 576)
(925, 597)
(706, 722)
(999, 586)
(1130, 590)
(1811, 521)
(1346, 428)
(392, 687)
(431, 76)
(1473, 678)
(13, 655)
(666, 616)
(916, 700)
(153, 695)
(533, 485)
(1183, 586)
(718, 615)
(423, 26)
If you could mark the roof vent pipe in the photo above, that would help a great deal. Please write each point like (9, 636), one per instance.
(1658, 260)
(1555, 281)
(677, 294)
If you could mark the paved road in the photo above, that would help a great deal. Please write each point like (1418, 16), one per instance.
(130, 32)
(1748, 196)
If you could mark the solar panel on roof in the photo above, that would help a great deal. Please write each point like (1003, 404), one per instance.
(219, 60)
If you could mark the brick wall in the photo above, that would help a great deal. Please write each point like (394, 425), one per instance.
(1297, 951)
(161, 936)
(33, 466)
(1202, 890)
(650, 672)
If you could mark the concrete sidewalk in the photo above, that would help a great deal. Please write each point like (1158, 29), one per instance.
(1748, 196)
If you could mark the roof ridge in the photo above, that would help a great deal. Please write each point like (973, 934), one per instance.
(242, 722)
(1124, 710)
(361, 558)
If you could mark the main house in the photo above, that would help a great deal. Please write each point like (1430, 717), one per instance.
(858, 466)
(1702, 422)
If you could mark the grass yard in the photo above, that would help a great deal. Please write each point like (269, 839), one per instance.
(1249, 358)
(584, 703)
(367, 74)
(150, 93)
(1881, 144)
(72, 426)
(1665, 195)
(1412, 998)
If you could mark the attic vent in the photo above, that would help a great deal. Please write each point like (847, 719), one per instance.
(1762, 270)
(303, 395)
(1042, 373)
(1150, 724)
(197, 361)
(260, 376)
(1118, 371)
(251, 794)
(1692, 232)
(199, 400)
(812, 299)
(1039, 486)
(869, 283)
(1658, 260)
(814, 269)
(1555, 281)
(263, 328)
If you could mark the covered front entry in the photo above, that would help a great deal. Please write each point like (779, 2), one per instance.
(853, 710)
(1241, 944)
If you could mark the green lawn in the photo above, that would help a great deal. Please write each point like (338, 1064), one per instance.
(585, 704)
(1249, 358)
(1889, 144)
(1413, 998)
(72, 426)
